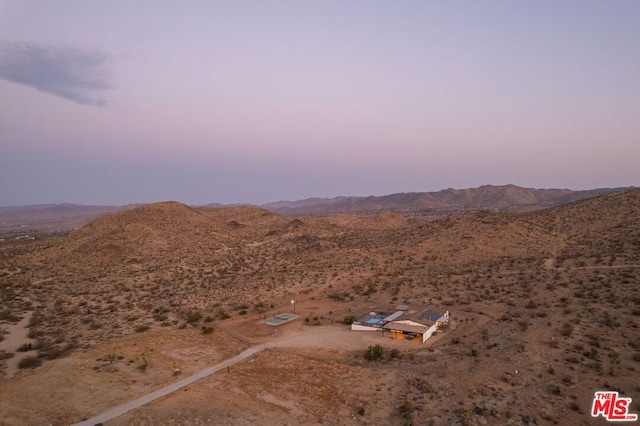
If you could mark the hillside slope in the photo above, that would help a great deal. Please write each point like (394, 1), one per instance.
(544, 303)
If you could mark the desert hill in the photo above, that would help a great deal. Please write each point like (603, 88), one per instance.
(550, 294)
(64, 217)
(229, 254)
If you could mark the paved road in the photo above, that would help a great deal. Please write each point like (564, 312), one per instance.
(136, 403)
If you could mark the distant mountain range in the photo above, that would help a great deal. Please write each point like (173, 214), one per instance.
(53, 217)
(61, 217)
(486, 197)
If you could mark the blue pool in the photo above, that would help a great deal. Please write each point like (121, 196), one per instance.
(280, 319)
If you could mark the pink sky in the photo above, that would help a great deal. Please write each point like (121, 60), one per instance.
(260, 101)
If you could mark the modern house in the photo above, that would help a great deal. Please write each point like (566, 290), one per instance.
(403, 323)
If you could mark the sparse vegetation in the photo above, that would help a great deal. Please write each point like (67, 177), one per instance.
(557, 285)
(29, 362)
(7, 315)
(348, 320)
(193, 317)
(25, 347)
(374, 353)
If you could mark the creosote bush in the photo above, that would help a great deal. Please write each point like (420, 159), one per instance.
(374, 353)
(29, 362)
(348, 320)
(193, 316)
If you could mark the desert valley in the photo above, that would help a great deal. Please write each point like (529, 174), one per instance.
(544, 305)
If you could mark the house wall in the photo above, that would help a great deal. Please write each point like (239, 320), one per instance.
(360, 327)
(401, 336)
(429, 332)
(396, 335)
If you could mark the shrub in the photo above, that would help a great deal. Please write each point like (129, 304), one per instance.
(405, 411)
(142, 328)
(395, 353)
(6, 355)
(29, 362)
(160, 317)
(25, 347)
(193, 316)
(374, 353)
(207, 330)
(7, 315)
(36, 319)
(348, 320)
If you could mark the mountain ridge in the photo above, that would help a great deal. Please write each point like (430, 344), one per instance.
(67, 216)
(484, 197)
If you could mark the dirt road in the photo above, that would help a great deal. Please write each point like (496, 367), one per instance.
(17, 335)
(132, 405)
(292, 335)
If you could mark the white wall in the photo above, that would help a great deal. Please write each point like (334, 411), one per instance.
(360, 327)
(429, 332)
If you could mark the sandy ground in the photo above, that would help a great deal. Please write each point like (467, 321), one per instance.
(101, 378)
(64, 391)
(17, 335)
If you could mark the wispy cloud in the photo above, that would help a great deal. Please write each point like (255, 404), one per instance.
(80, 75)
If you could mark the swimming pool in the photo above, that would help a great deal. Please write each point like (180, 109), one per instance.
(280, 319)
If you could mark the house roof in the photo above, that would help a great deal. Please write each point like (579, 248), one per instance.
(426, 317)
(443, 319)
(428, 314)
(394, 316)
(407, 328)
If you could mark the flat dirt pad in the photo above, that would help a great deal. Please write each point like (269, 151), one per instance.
(86, 383)
(280, 387)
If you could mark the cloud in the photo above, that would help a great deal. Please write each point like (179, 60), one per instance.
(80, 75)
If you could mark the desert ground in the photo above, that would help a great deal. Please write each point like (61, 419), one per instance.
(544, 312)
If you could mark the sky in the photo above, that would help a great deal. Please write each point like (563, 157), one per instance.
(236, 101)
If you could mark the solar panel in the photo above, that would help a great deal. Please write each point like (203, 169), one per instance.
(429, 314)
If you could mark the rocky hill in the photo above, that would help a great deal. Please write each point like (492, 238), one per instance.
(64, 217)
(545, 302)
